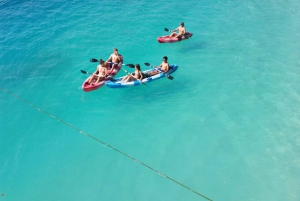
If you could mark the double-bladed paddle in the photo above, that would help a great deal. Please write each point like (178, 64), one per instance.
(185, 35)
(167, 75)
(129, 65)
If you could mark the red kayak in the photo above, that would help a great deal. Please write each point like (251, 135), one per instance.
(89, 87)
(166, 39)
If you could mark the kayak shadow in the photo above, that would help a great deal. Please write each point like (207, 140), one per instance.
(188, 46)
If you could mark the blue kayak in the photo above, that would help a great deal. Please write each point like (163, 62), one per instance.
(116, 83)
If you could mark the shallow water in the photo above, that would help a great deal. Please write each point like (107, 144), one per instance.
(226, 127)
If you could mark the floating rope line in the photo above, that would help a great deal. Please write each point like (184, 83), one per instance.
(107, 145)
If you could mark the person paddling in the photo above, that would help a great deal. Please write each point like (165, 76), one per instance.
(137, 75)
(181, 29)
(114, 59)
(99, 74)
(103, 72)
(162, 68)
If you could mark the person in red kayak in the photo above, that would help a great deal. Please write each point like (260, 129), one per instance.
(103, 72)
(162, 68)
(99, 74)
(114, 59)
(180, 29)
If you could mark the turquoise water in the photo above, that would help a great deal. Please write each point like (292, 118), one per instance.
(227, 126)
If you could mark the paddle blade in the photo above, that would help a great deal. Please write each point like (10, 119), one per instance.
(170, 77)
(93, 60)
(166, 29)
(83, 71)
(147, 64)
(130, 65)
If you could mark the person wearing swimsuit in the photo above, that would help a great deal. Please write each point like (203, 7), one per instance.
(181, 30)
(137, 75)
(102, 73)
(114, 60)
(164, 67)
(99, 73)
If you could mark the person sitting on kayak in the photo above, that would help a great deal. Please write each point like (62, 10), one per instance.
(137, 75)
(99, 74)
(114, 59)
(162, 68)
(181, 30)
(103, 72)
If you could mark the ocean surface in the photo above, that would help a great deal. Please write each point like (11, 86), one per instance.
(227, 127)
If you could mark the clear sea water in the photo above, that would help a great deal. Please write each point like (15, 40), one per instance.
(226, 127)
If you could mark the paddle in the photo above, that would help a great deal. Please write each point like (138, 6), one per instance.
(185, 35)
(129, 65)
(131, 75)
(85, 72)
(167, 75)
(166, 29)
(93, 60)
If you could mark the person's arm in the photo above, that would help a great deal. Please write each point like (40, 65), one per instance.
(175, 29)
(119, 57)
(109, 58)
(119, 64)
(141, 75)
(159, 65)
(134, 76)
(106, 72)
(112, 68)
